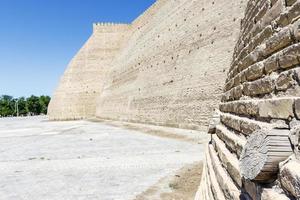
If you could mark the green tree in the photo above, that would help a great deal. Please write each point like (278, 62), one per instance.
(44, 102)
(6, 105)
(33, 105)
(22, 106)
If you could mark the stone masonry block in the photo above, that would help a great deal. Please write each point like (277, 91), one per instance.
(261, 86)
(247, 127)
(238, 92)
(257, 28)
(237, 80)
(284, 81)
(245, 62)
(282, 20)
(289, 56)
(266, 33)
(277, 108)
(255, 71)
(244, 53)
(274, 12)
(278, 41)
(262, 11)
(242, 124)
(231, 122)
(290, 177)
(271, 64)
(252, 58)
(248, 108)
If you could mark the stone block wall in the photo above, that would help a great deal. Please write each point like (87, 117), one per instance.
(261, 95)
(157, 70)
(82, 82)
(173, 66)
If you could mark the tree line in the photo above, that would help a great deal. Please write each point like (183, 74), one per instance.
(33, 105)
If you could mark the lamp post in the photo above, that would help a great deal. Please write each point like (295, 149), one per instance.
(17, 107)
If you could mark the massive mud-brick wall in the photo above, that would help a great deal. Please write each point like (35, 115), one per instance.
(82, 82)
(254, 151)
(172, 69)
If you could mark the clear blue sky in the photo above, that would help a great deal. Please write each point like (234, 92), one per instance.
(39, 37)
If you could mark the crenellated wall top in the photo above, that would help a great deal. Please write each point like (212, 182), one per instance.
(110, 27)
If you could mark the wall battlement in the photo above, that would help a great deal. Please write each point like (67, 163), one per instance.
(82, 82)
(110, 27)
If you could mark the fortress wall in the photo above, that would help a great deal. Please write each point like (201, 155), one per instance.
(171, 70)
(144, 19)
(259, 112)
(82, 82)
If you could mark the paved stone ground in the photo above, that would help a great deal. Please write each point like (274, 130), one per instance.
(41, 160)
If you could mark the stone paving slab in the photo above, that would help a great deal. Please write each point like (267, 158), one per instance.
(41, 160)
